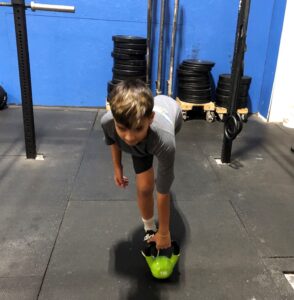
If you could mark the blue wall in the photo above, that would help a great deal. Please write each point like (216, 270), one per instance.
(71, 53)
(272, 56)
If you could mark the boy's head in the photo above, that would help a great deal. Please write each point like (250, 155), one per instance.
(131, 103)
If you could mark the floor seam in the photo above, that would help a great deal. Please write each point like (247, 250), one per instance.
(64, 212)
(237, 214)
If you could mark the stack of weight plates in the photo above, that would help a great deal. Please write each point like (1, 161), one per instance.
(223, 98)
(194, 81)
(129, 56)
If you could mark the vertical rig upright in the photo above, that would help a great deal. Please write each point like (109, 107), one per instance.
(233, 123)
(172, 51)
(25, 77)
(20, 23)
(149, 37)
(160, 49)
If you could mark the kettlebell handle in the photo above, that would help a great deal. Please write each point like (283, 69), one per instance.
(152, 250)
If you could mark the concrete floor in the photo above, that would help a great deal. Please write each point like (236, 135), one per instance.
(66, 232)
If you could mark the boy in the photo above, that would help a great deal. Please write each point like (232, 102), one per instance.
(144, 127)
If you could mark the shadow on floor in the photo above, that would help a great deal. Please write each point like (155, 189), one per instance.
(127, 261)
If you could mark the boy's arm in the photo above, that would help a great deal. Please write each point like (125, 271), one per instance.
(108, 126)
(163, 207)
(119, 179)
(165, 176)
(116, 156)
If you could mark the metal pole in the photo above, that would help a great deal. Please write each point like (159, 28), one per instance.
(5, 4)
(50, 7)
(149, 31)
(160, 49)
(172, 51)
(25, 77)
(19, 8)
(240, 48)
(233, 122)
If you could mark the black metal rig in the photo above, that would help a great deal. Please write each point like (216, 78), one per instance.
(19, 8)
(233, 123)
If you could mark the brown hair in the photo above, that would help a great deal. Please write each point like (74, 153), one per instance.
(130, 101)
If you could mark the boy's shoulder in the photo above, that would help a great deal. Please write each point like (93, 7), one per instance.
(159, 138)
(163, 97)
(107, 118)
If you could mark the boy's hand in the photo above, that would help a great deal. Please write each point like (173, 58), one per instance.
(162, 241)
(119, 179)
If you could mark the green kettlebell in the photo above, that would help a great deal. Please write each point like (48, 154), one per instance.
(161, 266)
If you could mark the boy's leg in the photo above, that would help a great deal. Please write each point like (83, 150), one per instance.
(145, 188)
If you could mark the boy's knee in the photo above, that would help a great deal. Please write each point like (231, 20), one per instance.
(145, 191)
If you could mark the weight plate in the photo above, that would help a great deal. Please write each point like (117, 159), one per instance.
(192, 73)
(227, 86)
(195, 68)
(130, 46)
(194, 96)
(188, 71)
(198, 62)
(197, 86)
(223, 92)
(206, 98)
(128, 72)
(132, 62)
(110, 86)
(122, 77)
(126, 56)
(129, 51)
(227, 78)
(195, 101)
(116, 81)
(196, 72)
(195, 91)
(227, 104)
(224, 98)
(129, 39)
(193, 80)
(130, 67)
(228, 98)
(222, 104)
(224, 85)
(243, 102)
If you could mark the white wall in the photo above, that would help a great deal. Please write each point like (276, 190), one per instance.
(282, 99)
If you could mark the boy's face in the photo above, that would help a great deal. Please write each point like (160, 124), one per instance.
(134, 136)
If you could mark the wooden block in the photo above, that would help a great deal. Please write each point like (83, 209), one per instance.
(243, 111)
(210, 106)
(223, 110)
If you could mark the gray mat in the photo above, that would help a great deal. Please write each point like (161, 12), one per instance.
(100, 255)
(60, 131)
(20, 288)
(233, 222)
(33, 198)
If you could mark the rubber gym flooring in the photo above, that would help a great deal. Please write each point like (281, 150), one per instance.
(66, 231)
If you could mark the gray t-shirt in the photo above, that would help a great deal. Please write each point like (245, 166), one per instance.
(160, 140)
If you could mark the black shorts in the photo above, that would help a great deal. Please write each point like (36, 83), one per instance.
(142, 164)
